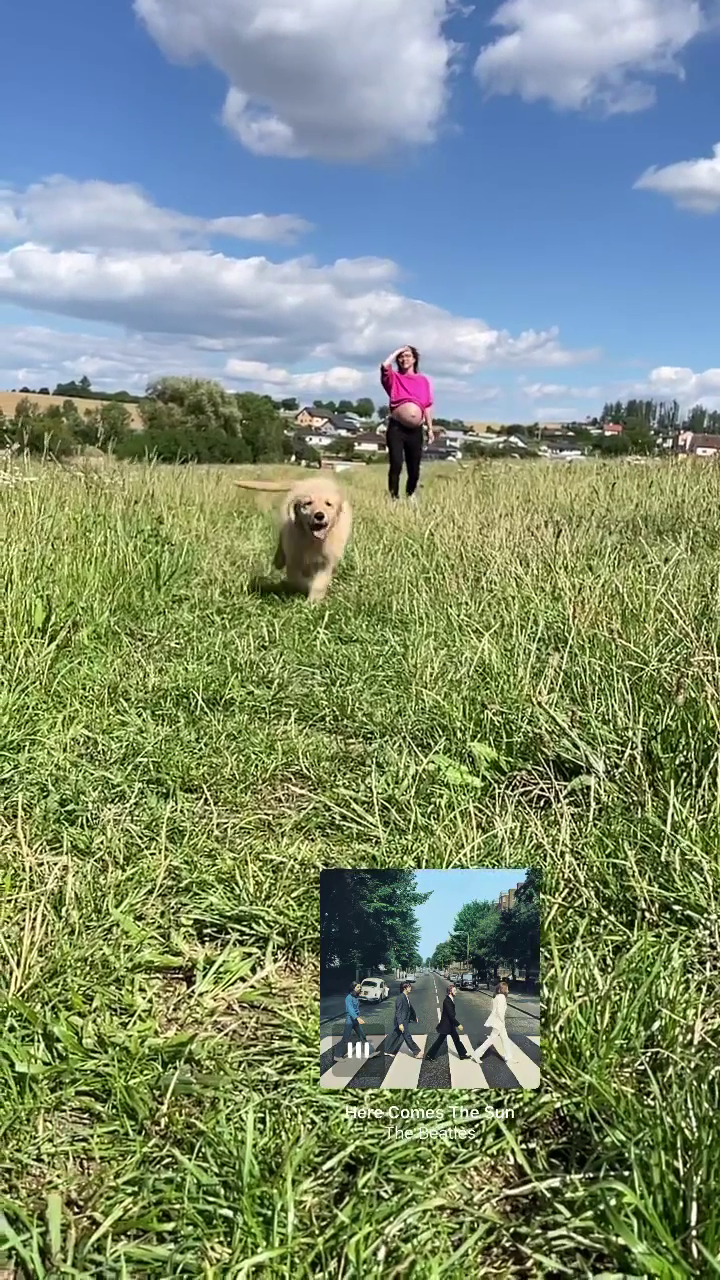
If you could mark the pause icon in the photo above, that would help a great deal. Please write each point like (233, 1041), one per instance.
(357, 1049)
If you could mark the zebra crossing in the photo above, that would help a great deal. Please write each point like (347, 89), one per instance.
(403, 1071)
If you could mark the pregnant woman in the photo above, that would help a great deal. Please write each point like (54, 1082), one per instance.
(411, 401)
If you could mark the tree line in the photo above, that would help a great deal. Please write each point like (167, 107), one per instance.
(368, 921)
(487, 939)
(186, 419)
(181, 420)
(81, 390)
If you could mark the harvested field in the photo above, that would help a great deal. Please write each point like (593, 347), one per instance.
(9, 401)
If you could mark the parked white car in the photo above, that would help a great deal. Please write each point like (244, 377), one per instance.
(410, 977)
(374, 989)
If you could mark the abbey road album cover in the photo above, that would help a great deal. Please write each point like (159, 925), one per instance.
(430, 979)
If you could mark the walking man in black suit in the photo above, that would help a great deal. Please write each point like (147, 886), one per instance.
(448, 1026)
(404, 1015)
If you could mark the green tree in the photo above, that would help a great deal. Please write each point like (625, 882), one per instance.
(443, 955)
(261, 428)
(305, 452)
(81, 389)
(39, 431)
(104, 426)
(115, 424)
(364, 407)
(183, 444)
(697, 418)
(199, 403)
(523, 933)
(346, 406)
(368, 918)
(290, 405)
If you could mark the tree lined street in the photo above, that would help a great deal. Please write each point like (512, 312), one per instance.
(485, 939)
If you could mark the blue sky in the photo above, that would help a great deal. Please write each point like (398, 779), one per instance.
(529, 192)
(450, 891)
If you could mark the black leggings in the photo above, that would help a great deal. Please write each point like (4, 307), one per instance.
(404, 444)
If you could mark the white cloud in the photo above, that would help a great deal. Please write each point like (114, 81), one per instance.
(346, 312)
(692, 184)
(334, 79)
(106, 256)
(261, 376)
(541, 390)
(668, 382)
(580, 54)
(61, 212)
(37, 356)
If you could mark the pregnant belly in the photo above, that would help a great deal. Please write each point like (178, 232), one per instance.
(408, 413)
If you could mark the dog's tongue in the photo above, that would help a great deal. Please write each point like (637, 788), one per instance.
(320, 533)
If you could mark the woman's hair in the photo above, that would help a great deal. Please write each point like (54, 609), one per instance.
(499, 986)
(353, 985)
(416, 358)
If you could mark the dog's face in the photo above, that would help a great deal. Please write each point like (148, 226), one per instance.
(317, 511)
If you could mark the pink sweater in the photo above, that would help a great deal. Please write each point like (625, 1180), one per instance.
(404, 387)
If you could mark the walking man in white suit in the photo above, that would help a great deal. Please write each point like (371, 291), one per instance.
(499, 1039)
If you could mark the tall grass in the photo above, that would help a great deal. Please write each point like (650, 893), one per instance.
(525, 671)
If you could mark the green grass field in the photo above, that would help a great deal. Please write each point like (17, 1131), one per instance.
(524, 671)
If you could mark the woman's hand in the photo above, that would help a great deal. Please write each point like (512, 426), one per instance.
(391, 359)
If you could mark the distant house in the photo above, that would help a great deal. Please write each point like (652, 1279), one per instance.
(612, 429)
(449, 436)
(369, 442)
(501, 443)
(318, 419)
(553, 428)
(344, 426)
(556, 448)
(339, 464)
(483, 428)
(315, 439)
(699, 444)
(491, 443)
(330, 423)
(562, 450)
(515, 443)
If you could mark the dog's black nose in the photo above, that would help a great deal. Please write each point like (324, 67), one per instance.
(318, 518)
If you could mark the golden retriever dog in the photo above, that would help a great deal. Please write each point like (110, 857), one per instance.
(314, 532)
